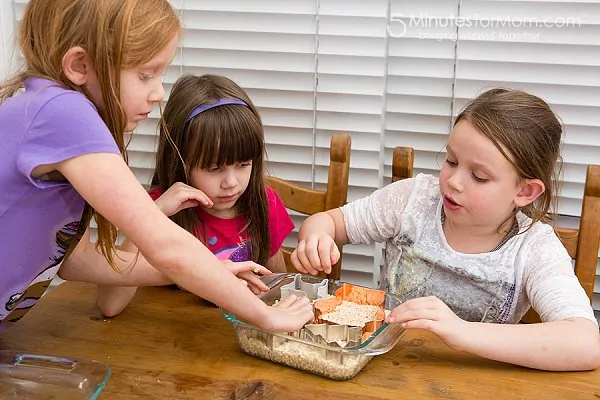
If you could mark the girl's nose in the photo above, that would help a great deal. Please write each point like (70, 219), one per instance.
(455, 181)
(229, 180)
(157, 94)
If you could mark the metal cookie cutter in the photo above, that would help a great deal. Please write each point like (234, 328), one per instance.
(341, 335)
(300, 288)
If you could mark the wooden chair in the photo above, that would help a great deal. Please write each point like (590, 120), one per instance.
(402, 163)
(310, 201)
(582, 244)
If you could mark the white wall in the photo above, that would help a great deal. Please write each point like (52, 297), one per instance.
(7, 37)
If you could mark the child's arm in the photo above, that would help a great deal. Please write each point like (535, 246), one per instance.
(115, 289)
(569, 345)
(86, 264)
(318, 241)
(568, 339)
(171, 249)
(112, 300)
(374, 218)
(276, 262)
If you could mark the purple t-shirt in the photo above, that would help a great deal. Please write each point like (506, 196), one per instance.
(44, 124)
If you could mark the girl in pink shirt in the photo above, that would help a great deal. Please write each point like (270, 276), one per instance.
(212, 141)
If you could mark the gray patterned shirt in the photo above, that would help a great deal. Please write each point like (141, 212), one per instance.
(531, 269)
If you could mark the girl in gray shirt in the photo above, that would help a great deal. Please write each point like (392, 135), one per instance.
(470, 252)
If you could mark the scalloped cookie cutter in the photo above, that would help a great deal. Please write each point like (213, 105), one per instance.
(300, 288)
(342, 335)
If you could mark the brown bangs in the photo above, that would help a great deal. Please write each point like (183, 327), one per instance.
(224, 135)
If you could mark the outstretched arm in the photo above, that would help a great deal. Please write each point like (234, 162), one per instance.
(173, 251)
(572, 344)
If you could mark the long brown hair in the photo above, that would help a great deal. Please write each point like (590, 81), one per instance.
(117, 35)
(526, 127)
(223, 135)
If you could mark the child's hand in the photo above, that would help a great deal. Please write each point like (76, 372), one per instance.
(181, 196)
(318, 252)
(290, 314)
(433, 315)
(247, 271)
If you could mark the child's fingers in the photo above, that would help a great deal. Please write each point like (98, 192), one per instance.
(247, 266)
(418, 308)
(303, 309)
(200, 196)
(296, 263)
(188, 204)
(312, 254)
(293, 302)
(335, 256)
(286, 302)
(425, 324)
(254, 281)
(255, 290)
(303, 259)
(324, 252)
(185, 192)
(412, 315)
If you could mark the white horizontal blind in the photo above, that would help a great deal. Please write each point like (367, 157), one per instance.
(351, 64)
(420, 82)
(549, 48)
(267, 47)
(420, 76)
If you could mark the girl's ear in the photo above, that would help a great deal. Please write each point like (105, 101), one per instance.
(531, 189)
(77, 65)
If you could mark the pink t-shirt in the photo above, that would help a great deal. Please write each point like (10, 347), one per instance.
(225, 237)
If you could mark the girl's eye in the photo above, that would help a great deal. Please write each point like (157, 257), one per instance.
(245, 164)
(478, 179)
(451, 163)
(145, 77)
(214, 169)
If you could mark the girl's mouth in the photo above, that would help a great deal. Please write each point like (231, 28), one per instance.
(227, 199)
(451, 204)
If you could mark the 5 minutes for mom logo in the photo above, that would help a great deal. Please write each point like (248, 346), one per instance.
(399, 22)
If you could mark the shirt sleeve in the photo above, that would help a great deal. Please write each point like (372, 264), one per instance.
(155, 193)
(550, 282)
(378, 217)
(280, 223)
(66, 126)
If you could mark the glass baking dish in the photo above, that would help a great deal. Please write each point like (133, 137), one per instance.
(41, 377)
(339, 363)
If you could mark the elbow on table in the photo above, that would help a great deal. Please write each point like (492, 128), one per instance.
(109, 310)
(589, 348)
(594, 357)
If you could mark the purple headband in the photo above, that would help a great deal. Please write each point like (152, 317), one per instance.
(220, 102)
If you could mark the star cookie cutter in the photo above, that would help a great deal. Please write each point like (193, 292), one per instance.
(300, 288)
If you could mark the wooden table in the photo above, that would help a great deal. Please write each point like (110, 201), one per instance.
(168, 344)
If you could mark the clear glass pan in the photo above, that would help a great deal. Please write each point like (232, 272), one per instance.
(36, 377)
(332, 362)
